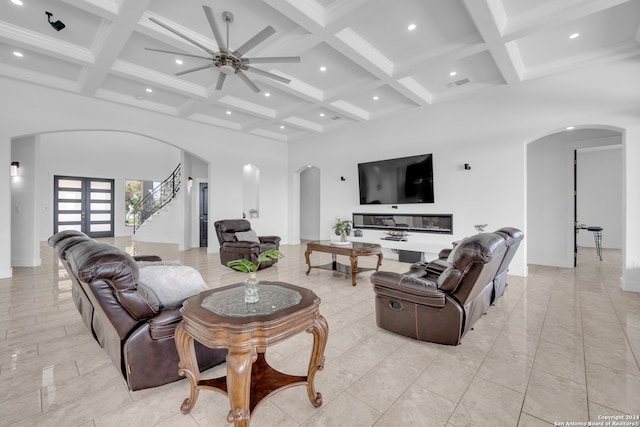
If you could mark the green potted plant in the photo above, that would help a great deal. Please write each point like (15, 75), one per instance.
(251, 284)
(343, 228)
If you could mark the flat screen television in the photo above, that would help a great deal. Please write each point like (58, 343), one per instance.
(397, 181)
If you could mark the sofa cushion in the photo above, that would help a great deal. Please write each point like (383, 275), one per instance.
(247, 236)
(171, 284)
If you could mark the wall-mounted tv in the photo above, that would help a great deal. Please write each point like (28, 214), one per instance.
(397, 181)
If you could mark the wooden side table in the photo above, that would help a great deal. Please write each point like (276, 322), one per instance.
(220, 318)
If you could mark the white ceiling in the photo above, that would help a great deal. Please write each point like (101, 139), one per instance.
(364, 44)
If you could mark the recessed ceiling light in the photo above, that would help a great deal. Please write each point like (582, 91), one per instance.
(18, 54)
(17, 2)
(228, 111)
(453, 73)
(323, 68)
(149, 90)
(179, 61)
(376, 97)
(321, 114)
(574, 36)
(570, 127)
(267, 94)
(411, 27)
(281, 127)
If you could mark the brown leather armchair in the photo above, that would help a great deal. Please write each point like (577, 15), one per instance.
(232, 236)
(441, 304)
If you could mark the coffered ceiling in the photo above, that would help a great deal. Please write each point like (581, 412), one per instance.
(359, 60)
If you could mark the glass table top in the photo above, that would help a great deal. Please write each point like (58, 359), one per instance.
(230, 302)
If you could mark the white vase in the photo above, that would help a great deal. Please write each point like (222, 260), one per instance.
(251, 288)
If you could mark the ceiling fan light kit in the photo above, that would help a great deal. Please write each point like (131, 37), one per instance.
(230, 62)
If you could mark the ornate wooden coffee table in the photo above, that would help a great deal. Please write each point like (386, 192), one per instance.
(353, 250)
(220, 318)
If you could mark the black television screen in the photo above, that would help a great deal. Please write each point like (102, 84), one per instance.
(397, 181)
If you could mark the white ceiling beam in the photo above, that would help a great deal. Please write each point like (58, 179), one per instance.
(112, 37)
(46, 45)
(484, 16)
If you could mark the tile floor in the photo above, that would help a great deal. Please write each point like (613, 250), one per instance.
(562, 345)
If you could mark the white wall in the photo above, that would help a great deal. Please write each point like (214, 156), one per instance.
(25, 197)
(630, 280)
(310, 204)
(600, 194)
(478, 196)
(100, 154)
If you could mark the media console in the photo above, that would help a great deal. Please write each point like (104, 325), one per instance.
(424, 223)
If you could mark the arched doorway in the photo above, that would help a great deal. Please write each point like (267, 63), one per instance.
(310, 203)
(551, 195)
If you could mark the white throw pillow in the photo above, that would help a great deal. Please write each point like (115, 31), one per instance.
(247, 236)
(172, 284)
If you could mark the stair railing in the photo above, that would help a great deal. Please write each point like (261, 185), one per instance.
(158, 198)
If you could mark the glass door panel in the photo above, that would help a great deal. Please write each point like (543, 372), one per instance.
(84, 204)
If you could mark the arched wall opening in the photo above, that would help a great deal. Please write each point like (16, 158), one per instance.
(95, 153)
(550, 191)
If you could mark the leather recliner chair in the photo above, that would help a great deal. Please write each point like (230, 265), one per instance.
(512, 236)
(231, 234)
(441, 307)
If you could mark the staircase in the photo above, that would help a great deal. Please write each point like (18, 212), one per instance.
(157, 199)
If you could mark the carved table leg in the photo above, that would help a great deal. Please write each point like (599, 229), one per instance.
(188, 366)
(306, 256)
(320, 331)
(379, 261)
(354, 269)
(239, 363)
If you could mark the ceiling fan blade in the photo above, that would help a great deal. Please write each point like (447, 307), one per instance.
(267, 74)
(220, 81)
(187, 38)
(214, 28)
(255, 40)
(178, 53)
(195, 69)
(248, 81)
(271, 60)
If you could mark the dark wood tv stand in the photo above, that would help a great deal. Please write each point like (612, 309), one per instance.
(423, 223)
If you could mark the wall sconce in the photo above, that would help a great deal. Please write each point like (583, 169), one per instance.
(14, 168)
(467, 167)
(190, 182)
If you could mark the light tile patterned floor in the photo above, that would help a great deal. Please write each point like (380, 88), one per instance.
(561, 345)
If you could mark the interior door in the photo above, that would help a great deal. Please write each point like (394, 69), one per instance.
(83, 204)
(204, 214)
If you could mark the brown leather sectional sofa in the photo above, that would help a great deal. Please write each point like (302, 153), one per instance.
(125, 319)
(440, 301)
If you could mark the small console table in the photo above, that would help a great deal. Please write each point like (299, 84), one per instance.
(219, 318)
(597, 237)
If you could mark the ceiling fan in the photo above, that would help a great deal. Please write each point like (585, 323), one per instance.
(227, 61)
